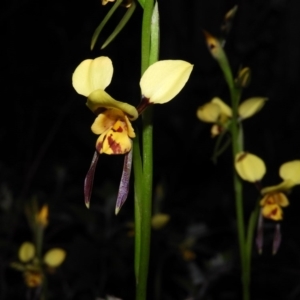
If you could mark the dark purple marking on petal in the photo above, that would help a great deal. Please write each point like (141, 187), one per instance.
(89, 180)
(124, 184)
(260, 233)
(120, 129)
(115, 147)
(143, 104)
(276, 239)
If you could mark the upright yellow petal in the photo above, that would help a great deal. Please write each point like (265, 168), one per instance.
(26, 252)
(54, 257)
(163, 80)
(251, 106)
(92, 74)
(209, 112)
(290, 171)
(249, 166)
(225, 109)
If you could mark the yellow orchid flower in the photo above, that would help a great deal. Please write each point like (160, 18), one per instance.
(252, 168)
(274, 197)
(160, 83)
(218, 112)
(32, 267)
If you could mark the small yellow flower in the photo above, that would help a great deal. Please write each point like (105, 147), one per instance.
(32, 267)
(252, 168)
(219, 113)
(274, 197)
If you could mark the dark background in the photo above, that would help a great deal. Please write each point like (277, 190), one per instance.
(47, 147)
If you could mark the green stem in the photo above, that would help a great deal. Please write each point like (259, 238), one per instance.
(146, 34)
(143, 185)
(237, 146)
(238, 189)
(138, 197)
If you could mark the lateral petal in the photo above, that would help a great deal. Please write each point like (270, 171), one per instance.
(163, 80)
(92, 74)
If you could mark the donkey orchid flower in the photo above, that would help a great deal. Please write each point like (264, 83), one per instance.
(219, 113)
(160, 83)
(274, 197)
(251, 168)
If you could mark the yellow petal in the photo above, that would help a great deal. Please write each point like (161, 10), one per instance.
(26, 252)
(158, 221)
(54, 257)
(251, 106)
(281, 187)
(275, 198)
(290, 171)
(163, 80)
(100, 99)
(249, 166)
(130, 130)
(272, 211)
(209, 112)
(225, 109)
(114, 142)
(92, 74)
(106, 120)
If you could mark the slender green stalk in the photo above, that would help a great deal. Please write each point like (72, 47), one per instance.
(143, 185)
(138, 194)
(237, 146)
(238, 189)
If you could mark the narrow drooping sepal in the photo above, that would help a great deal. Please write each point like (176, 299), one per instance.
(276, 239)
(124, 184)
(89, 180)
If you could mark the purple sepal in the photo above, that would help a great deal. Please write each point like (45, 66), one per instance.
(124, 184)
(276, 239)
(89, 180)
